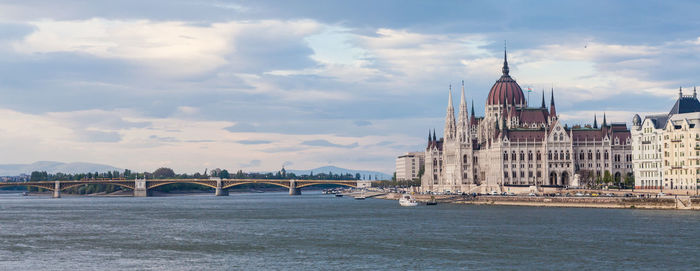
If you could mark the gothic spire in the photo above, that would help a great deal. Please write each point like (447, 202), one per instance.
(605, 123)
(552, 108)
(680, 92)
(434, 137)
(505, 69)
(595, 122)
(473, 109)
(450, 129)
(449, 101)
(543, 105)
(463, 121)
(695, 93)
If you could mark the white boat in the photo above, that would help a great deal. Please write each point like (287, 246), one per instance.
(407, 200)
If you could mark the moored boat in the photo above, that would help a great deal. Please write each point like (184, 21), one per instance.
(432, 201)
(407, 200)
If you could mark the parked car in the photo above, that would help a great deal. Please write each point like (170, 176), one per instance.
(493, 193)
(579, 194)
(532, 194)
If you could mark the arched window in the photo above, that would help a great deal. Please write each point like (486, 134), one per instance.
(522, 156)
(581, 156)
(597, 155)
(556, 155)
(590, 155)
(464, 159)
(505, 156)
(567, 155)
(435, 162)
(605, 155)
(529, 155)
(513, 156)
(549, 155)
(539, 156)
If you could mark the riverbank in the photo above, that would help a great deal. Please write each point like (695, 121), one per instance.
(669, 202)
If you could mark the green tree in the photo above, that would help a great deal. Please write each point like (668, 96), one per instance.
(607, 178)
(224, 174)
(163, 173)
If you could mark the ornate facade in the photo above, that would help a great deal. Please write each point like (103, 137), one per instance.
(666, 147)
(518, 145)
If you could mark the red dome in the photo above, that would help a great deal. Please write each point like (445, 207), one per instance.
(505, 90)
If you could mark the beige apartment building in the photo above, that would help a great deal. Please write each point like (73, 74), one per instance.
(666, 148)
(408, 166)
(682, 152)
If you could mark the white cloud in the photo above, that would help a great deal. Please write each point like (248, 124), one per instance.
(171, 47)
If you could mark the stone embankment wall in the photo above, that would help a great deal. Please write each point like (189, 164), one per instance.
(584, 202)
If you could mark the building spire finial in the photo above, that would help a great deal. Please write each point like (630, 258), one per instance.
(680, 92)
(505, 69)
(605, 123)
(543, 105)
(595, 121)
(473, 108)
(695, 92)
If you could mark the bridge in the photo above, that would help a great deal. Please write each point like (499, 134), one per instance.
(142, 187)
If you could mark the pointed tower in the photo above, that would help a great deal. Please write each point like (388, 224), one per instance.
(450, 129)
(430, 139)
(595, 122)
(505, 68)
(463, 122)
(473, 115)
(543, 105)
(680, 92)
(695, 93)
(552, 108)
(605, 123)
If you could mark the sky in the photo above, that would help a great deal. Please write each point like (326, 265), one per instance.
(258, 85)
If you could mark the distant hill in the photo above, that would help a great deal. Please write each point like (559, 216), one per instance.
(54, 167)
(337, 170)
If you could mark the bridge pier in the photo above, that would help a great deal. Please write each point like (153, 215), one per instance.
(57, 190)
(219, 190)
(293, 190)
(140, 188)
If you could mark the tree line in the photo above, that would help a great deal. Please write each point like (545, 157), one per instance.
(168, 173)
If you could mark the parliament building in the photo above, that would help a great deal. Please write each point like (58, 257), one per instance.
(518, 145)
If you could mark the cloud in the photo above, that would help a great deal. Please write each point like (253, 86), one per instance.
(252, 163)
(254, 142)
(362, 123)
(241, 127)
(326, 143)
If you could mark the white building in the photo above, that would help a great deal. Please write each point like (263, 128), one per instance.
(408, 165)
(518, 145)
(664, 146)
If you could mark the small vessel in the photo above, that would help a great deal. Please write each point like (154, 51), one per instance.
(408, 201)
(432, 201)
(361, 196)
(339, 195)
(25, 194)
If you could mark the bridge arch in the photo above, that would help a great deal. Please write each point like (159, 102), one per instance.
(310, 184)
(166, 183)
(32, 185)
(229, 185)
(79, 184)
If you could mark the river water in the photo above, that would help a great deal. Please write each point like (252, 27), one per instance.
(275, 231)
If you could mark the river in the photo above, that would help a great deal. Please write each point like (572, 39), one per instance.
(275, 231)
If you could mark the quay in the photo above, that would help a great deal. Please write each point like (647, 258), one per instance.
(142, 187)
(618, 202)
